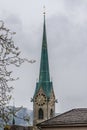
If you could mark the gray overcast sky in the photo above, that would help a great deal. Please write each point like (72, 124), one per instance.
(66, 22)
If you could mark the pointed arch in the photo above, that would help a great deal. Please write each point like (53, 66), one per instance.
(51, 113)
(40, 113)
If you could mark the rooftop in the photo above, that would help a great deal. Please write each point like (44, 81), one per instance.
(74, 117)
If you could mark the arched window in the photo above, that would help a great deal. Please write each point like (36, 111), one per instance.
(51, 113)
(40, 114)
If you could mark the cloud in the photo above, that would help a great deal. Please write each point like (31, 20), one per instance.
(13, 19)
(66, 23)
(67, 43)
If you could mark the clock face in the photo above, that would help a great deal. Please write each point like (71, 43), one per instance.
(40, 99)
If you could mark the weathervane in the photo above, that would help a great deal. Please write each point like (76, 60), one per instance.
(44, 10)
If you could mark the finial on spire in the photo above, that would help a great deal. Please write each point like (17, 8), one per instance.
(44, 10)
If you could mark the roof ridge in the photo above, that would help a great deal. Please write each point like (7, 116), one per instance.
(72, 110)
(54, 117)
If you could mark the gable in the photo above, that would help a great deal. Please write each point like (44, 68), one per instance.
(52, 95)
(40, 91)
(46, 87)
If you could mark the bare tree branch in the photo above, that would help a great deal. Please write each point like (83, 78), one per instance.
(9, 55)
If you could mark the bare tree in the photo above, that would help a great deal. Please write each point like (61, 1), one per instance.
(9, 55)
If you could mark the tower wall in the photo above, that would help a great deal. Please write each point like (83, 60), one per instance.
(48, 109)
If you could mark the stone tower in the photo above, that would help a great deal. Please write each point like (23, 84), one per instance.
(44, 97)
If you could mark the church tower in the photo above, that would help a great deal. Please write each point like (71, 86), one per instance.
(44, 97)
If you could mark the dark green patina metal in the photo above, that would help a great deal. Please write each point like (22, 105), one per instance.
(44, 76)
(44, 65)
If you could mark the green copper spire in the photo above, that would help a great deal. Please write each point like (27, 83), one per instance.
(13, 120)
(44, 76)
(44, 65)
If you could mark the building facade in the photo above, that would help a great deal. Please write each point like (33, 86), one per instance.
(44, 97)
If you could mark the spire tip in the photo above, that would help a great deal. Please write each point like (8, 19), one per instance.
(44, 10)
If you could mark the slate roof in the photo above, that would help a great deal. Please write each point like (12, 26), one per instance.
(74, 117)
